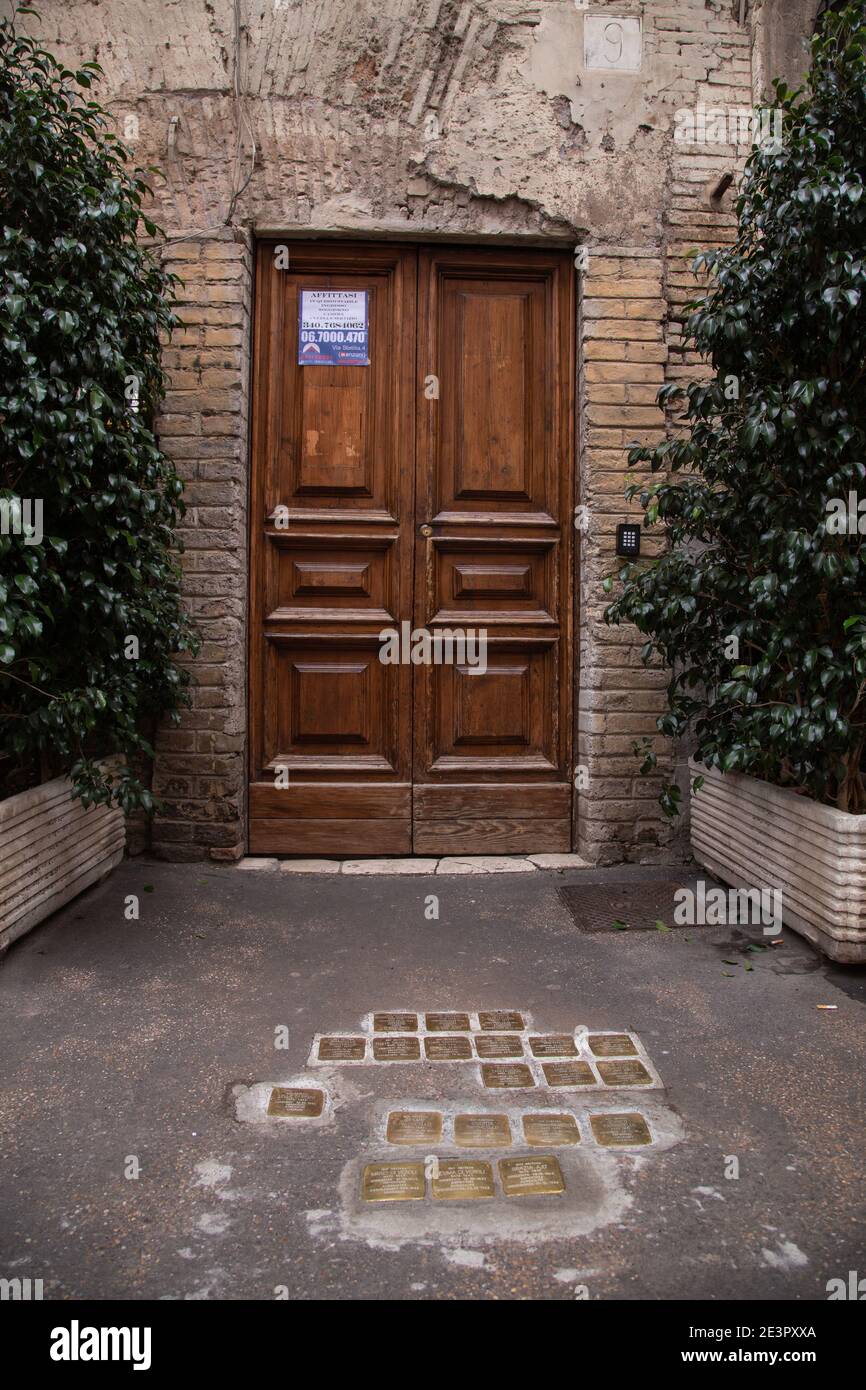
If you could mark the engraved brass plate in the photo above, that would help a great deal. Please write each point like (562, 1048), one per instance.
(396, 1049)
(342, 1049)
(499, 1045)
(530, 1177)
(393, 1182)
(295, 1103)
(559, 1045)
(568, 1073)
(502, 1075)
(612, 1045)
(395, 1023)
(482, 1131)
(447, 1023)
(414, 1127)
(550, 1128)
(502, 1020)
(611, 1130)
(463, 1178)
(448, 1049)
(624, 1074)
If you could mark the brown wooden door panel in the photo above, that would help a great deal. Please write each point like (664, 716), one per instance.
(508, 834)
(494, 495)
(331, 801)
(334, 839)
(332, 527)
(455, 802)
(356, 460)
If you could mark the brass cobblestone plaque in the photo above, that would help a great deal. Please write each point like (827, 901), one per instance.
(624, 1074)
(448, 1049)
(502, 1075)
(396, 1049)
(558, 1045)
(463, 1178)
(395, 1023)
(568, 1073)
(499, 1045)
(550, 1128)
(481, 1131)
(530, 1177)
(612, 1130)
(393, 1182)
(612, 1045)
(503, 1020)
(295, 1102)
(414, 1127)
(342, 1049)
(447, 1023)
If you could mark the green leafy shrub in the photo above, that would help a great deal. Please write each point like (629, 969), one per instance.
(773, 451)
(92, 579)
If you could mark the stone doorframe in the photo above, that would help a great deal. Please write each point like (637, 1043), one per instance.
(201, 765)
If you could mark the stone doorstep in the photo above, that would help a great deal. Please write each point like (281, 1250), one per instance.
(451, 864)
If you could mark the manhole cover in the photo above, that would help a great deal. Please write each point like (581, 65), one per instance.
(638, 906)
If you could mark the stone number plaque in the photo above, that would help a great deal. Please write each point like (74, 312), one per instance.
(612, 43)
(530, 1177)
(612, 1130)
(462, 1179)
(295, 1103)
(393, 1182)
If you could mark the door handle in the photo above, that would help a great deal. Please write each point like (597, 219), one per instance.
(426, 529)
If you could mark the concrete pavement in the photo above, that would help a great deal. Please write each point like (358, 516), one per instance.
(150, 1047)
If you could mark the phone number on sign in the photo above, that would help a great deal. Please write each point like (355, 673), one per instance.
(331, 336)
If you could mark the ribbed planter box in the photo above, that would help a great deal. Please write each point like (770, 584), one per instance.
(51, 849)
(753, 835)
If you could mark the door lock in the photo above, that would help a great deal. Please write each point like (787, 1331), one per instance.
(426, 530)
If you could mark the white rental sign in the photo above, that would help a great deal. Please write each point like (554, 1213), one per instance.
(332, 328)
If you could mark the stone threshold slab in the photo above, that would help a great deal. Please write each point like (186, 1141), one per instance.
(449, 864)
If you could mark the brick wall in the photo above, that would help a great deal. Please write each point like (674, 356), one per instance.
(200, 772)
(622, 365)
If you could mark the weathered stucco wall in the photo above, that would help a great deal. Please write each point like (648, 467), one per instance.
(408, 119)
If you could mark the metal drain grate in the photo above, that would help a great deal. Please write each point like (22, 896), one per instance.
(599, 907)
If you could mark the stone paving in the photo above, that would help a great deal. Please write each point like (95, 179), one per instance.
(449, 864)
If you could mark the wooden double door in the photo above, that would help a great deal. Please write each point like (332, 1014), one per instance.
(431, 488)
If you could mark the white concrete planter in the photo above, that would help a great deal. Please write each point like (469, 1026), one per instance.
(51, 849)
(751, 834)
